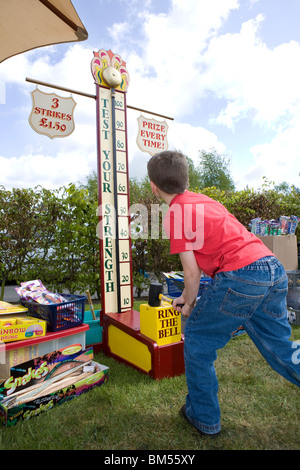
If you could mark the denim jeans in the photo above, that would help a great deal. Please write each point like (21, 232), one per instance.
(253, 297)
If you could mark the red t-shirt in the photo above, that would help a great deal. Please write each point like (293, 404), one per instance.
(219, 241)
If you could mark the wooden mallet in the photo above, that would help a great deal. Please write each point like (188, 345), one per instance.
(156, 295)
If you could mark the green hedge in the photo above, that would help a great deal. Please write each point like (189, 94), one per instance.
(51, 234)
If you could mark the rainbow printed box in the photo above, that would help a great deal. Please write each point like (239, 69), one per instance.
(17, 328)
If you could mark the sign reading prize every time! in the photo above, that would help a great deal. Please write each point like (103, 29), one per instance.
(152, 135)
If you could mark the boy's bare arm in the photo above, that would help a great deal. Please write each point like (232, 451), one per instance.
(192, 276)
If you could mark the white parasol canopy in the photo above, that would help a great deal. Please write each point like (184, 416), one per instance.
(28, 24)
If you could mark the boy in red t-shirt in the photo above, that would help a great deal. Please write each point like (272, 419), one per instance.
(249, 289)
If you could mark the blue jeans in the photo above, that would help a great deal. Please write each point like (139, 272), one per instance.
(253, 297)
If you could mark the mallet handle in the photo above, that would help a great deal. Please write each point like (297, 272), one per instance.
(91, 304)
(167, 299)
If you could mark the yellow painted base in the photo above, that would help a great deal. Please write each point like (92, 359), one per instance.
(162, 324)
(129, 348)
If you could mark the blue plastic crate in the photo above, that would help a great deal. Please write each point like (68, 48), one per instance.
(176, 286)
(59, 316)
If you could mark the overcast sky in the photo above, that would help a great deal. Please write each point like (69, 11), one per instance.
(227, 71)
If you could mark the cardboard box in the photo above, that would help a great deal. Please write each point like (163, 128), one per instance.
(16, 352)
(18, 328)
(15, 325)
(284, 248)
(46, 381)
(7, 308)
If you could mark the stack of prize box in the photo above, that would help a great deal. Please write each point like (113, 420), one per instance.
(40, 384)
(34, 326)
(279, 235)
(43, 360)
(16, 325)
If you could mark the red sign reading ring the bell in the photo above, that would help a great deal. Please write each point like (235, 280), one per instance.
(152, 135)
(52, 115)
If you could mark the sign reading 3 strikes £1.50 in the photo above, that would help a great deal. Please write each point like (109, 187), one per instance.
(52, 115)
(112, 79)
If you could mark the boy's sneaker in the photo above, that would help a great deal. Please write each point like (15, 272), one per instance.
(182, 413)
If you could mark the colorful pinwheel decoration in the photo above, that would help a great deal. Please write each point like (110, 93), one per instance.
(108, 69)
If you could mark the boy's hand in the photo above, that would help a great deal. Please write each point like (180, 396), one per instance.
(178, 303)
(192, 275)
(184, 309)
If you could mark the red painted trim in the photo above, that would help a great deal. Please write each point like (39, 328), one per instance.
(166, 360)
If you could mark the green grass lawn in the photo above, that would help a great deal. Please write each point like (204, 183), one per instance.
(260, 411)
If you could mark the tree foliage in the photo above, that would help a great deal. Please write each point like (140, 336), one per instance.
(27, 228)
(265, 202)
(153, 255)
(75, 256)
(51, 234)
(213, 170)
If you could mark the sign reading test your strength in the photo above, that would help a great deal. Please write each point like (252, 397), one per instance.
(110, 72)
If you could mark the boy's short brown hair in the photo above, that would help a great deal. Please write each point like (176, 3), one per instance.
(169, 171)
